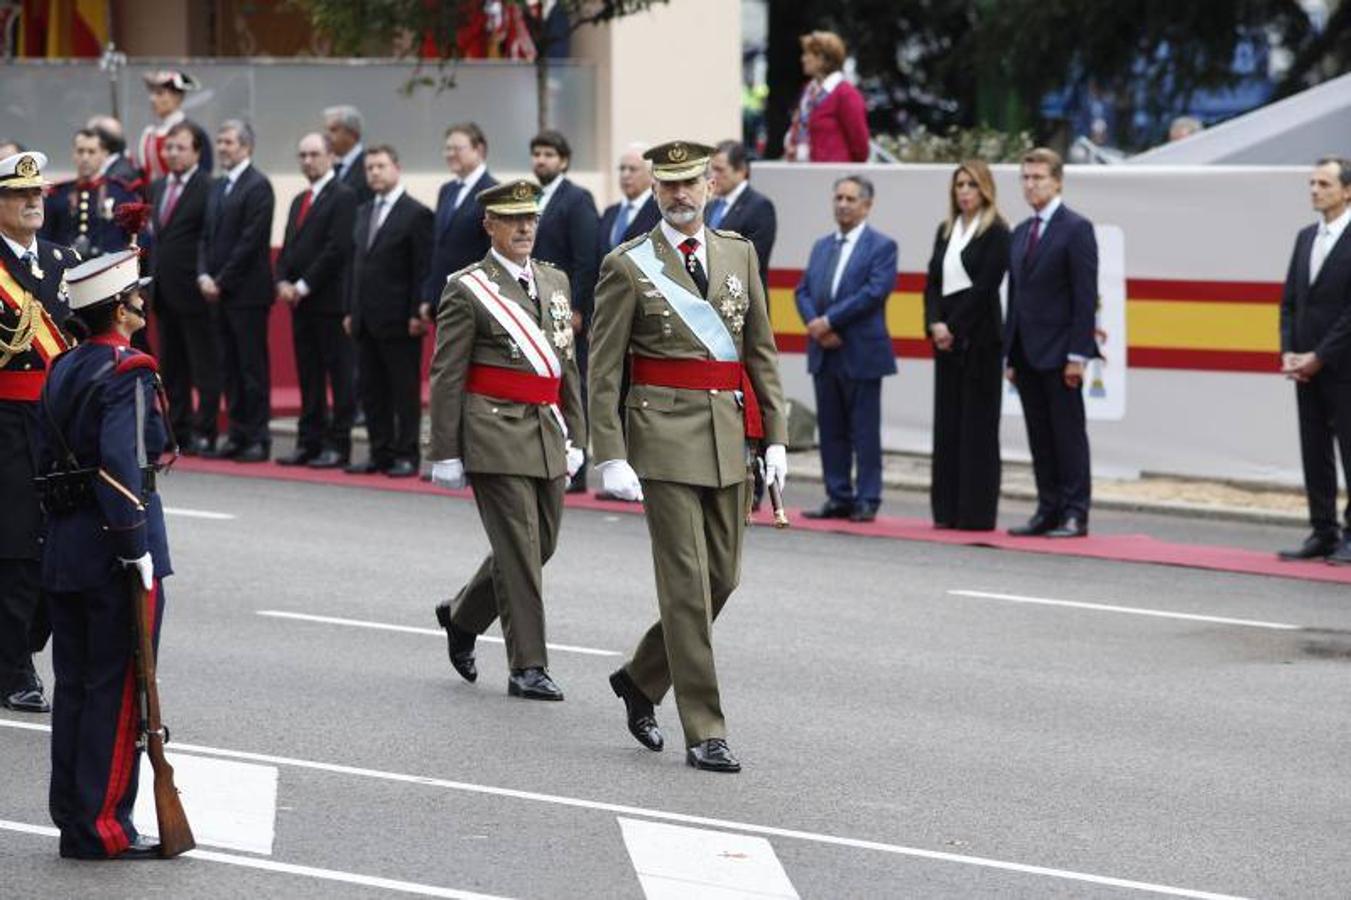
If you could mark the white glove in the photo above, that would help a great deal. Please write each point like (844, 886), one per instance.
(145, 566)
(576, 456)
(448, 473)
(776, 465)
(617, 477)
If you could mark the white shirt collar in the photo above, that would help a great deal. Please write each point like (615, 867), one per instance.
(637, 202)
(390, 198)
(831, 82)
(185, 177)
(1047, 211)
(547, 192)
(853, 234)
(233, 174)
(676, 238)
(351, 156)
(322, 183)
(472, 178)
(18, 249)
(1337, 225)
(513, 270)
(735, 194)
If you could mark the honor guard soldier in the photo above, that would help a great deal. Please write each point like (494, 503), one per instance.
(684, 306)
(103, 433)
(506, 414)
(167, 89)
(80, 212)
(32, 311)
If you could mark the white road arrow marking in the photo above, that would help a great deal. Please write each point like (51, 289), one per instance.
(675, 863)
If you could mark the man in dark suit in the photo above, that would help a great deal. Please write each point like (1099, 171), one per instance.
(311, 273)
(343, 125)
(392, 238)
(637, 212)
(566, 238)
(842, 299)
(33, 307)
(1316, 355)
(1048, 333)
(459, 238)
(189, 356)
(738, 206)
(235, 271)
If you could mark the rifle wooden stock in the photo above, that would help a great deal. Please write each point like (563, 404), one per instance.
(175, 834)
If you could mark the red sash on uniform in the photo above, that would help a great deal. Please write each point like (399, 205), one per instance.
(22, 385)
(48, 342)
(703, 375)
(512, 384)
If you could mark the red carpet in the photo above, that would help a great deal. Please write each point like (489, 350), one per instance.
(1139, 548)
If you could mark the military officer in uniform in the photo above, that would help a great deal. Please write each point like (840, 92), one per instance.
(684, 306)
(506, 414)
(81, 212)
(103, 433)
(32, 311)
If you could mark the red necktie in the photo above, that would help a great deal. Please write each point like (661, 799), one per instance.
(304, 208)
(171, 199)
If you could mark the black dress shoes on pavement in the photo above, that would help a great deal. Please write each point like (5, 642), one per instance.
(831, 509)
(299, 457)
(533, 684)
(369, 467)
(1072, 527)
(254, 453)
(642, 717)
(228, 450)
(1342, 555)
(402, 468)
(327, 459)
(459, 645)
(864, 512)
(1319, 545)
(29, 699)
(1034, 527)
(712, 755)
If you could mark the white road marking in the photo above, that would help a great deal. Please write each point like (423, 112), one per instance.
(1132, 610)
(267, 865)
(230, 804)
(620, 809)
(198, 514)
(674, 862)
(408, 629)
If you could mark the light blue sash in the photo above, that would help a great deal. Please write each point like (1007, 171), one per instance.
(694, 310)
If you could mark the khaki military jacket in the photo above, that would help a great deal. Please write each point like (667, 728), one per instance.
(687, 436)
(492, 435)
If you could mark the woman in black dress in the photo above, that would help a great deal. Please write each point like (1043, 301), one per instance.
(962, 316)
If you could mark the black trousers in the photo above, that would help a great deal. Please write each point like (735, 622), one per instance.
(95, 761)
(324, 361)
(1057, 434)
(1324, 420)
(391, 371)
(248, 384)
(968, 393)
(24, 625)
(189, 359)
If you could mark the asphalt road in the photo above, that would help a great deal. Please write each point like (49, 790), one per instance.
(898, 740)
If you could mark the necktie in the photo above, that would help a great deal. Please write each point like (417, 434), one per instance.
(1321, 245)
(30, 259)
(377, 212)
(692, 265)
(170, 199)
(833, 263)
(621, 225)
(458, 187)
(1033, 239)
(716, 212)
(229, 186)
(305, 205)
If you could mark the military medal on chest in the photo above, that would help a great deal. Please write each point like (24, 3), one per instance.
(734, 304)
(560, 311)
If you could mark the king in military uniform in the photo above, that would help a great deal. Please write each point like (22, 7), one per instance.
(32, 310)
(684, 307)
(506, 414)
(80, 213)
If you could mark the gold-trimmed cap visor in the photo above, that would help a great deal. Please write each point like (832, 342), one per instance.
(103, 279)
(679, 160)
(23, 170)
(513, 198)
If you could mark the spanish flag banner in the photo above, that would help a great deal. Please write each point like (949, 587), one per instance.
(62, 29)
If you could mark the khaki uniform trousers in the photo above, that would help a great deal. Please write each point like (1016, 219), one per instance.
(696, 535)
(521, 516)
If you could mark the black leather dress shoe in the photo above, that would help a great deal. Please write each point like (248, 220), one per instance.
(228, 450)
(1318, 545)
(201, 445)
(1072, 527)
(831, 509)
(402, 468)
(642, 717)
(712, 755)
(254, 453)
(27, 699)
(299, 457)
(864, 512)
(141, 848)
(1034, 527)
(1342, 555)
(369, 467)
(328, 459)
(533, 684)
(459, 646)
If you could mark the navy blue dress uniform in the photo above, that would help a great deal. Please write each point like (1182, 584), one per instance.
(81, 214)
(32, 311)
(104, 432)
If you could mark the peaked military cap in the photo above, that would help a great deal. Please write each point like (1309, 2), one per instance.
(679, 160)
(104, 279)
(512, 198)
(23, 170)
(174, 79)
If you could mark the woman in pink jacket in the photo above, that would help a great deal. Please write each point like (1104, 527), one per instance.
(830, 123)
